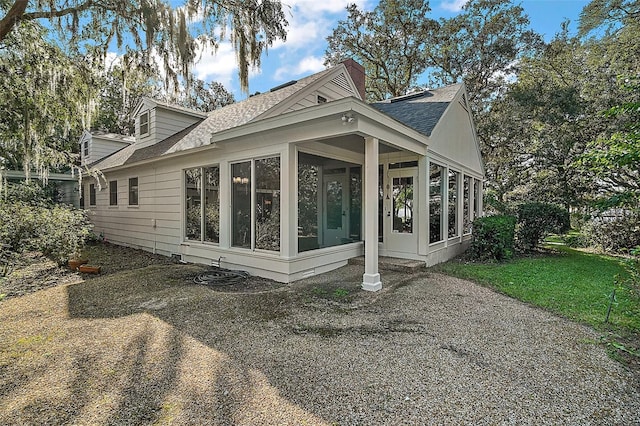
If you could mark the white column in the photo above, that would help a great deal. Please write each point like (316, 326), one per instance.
(288, 202)
(371, 278)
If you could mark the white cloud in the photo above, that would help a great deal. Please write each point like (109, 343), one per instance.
(312, 7)
(220, 66)
(453, 5)
(307, 65)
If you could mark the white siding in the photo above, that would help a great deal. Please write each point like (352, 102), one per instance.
(169, 123)
(454, 139)
(330, 91)
(154, 224)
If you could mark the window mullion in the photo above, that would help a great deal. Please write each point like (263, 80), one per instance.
(253, 204)
(202, 206)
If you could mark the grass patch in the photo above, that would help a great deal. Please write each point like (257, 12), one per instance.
(572, 283)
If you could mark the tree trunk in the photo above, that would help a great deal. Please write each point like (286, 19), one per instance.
(13, 16)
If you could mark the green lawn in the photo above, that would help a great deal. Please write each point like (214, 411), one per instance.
(566, 281)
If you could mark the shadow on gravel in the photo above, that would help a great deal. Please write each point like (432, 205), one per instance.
(263, 333)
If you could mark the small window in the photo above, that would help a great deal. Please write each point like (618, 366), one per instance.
(113, 193)
(322, 99)
(86, 148)
(133, 191)
(144, 123)
(92, 194)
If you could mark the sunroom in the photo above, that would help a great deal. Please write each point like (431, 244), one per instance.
(297, 181)
(352, 181)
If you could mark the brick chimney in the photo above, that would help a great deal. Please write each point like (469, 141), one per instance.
(356, 71)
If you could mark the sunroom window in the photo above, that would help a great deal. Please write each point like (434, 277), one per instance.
(435, 202)
(329, 202)
(202, 204)
(468, 188)
(255, 200)
(453, 203)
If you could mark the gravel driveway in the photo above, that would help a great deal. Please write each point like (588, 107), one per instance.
(146, 346)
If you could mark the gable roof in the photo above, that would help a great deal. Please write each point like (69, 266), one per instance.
(252, 109)
(243, 112)
(421, 111)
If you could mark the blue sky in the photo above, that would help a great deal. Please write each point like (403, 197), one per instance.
(311, 21)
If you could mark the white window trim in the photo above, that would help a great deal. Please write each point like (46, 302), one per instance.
(148, 123)
(137, 192)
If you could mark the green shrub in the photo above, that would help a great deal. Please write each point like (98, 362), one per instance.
(632, 266)
(576, 240)
(33, 222)
(537, 220)
(615, 236)
(493, 237)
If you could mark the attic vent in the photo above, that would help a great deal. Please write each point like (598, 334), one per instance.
(342, 82)
(282, 86)
(463, 102)
(407, 97)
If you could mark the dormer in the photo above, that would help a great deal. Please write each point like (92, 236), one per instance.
(156, 121)
(96, 145)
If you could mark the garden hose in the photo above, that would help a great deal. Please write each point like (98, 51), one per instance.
(220, 277)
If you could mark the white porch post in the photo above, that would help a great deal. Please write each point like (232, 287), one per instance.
(371, 278)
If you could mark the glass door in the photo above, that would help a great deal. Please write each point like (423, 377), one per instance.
(336, 204)
(400, 211)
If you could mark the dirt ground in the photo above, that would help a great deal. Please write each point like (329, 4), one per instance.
(141, 343)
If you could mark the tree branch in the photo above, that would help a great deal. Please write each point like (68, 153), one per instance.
(14, 15)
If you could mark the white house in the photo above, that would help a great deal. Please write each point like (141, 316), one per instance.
(96, 145)
(296, 181)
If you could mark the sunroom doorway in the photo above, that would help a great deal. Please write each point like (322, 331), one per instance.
(329, 202)
(400, 200)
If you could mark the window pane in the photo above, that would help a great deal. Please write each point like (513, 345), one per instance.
(435, 203)
(477, 197)
(329, 202)
(133, 191)
(92, 194)
(308, 173)
(403, 205)
(212, 204)
(241, 204)
(268, 204)
(380, 203)
(355, 203)
(113, 193)
(467, 207)
(144, 123)
(193, 207)
(453, 204)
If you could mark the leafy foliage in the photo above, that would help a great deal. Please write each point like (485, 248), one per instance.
(388, 41)
(616, 235)
(537, 220)
(614, 158)
(632, 267)
(493, 237)
(157, 28)
(45, 102)
(33, 222)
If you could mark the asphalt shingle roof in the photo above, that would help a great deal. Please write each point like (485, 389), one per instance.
(420, 111)
(199, 134)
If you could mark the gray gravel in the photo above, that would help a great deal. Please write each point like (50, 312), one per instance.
(427, 349)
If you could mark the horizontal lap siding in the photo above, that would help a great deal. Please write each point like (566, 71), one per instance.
(159, 204)
(329, 91)
(169, 123)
